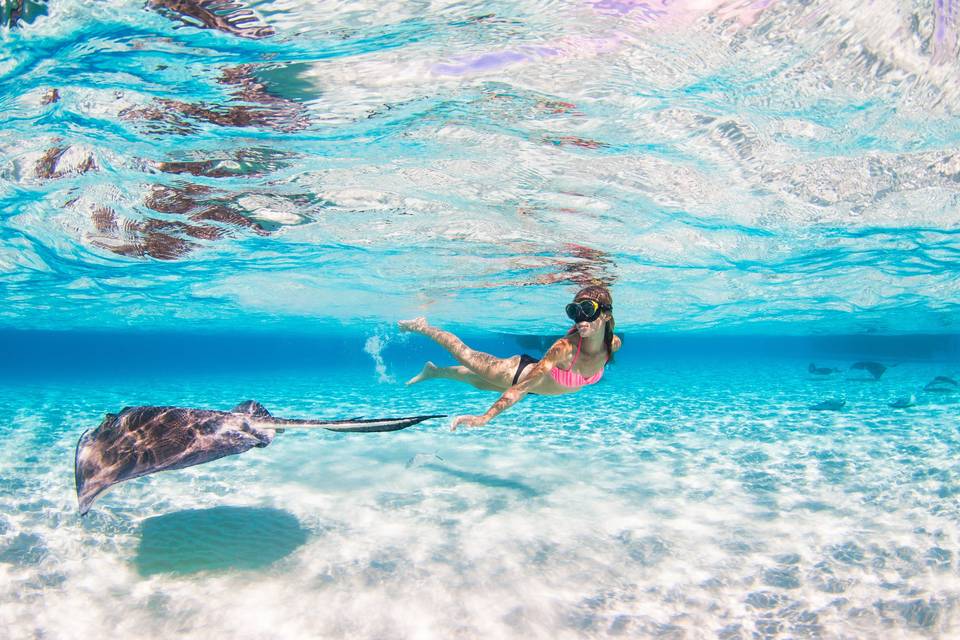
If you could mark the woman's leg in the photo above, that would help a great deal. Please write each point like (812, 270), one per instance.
(496, 371)
(459, 373)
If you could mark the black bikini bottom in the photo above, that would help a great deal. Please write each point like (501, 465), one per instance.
(524, 361)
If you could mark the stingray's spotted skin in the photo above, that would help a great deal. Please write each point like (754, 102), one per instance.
(143, 440)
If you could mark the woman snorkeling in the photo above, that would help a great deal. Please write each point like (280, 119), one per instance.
(573, 362)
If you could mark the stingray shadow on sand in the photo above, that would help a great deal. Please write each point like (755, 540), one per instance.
(216, 539)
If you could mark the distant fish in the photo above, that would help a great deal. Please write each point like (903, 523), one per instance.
(903, 403)
(834, 404)
(875, 368)
(821, 371)
(942, 384)
(143, 440)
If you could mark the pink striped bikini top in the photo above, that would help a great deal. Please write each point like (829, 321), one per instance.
(570, 378)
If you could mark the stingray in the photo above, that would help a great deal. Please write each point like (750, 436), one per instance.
(941, 383)
(875, 368)
(904, 403)
(829, 405)
(143, 440)
(821, 371)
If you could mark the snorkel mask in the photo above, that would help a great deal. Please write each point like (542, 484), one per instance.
(586, 310)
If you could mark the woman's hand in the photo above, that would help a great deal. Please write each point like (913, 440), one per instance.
(467, 421)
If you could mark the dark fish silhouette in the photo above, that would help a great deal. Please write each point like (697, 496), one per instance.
(903, 403)
(143, 440)
(875, 368)
(829, 405)
(941, 383)
(821, 371)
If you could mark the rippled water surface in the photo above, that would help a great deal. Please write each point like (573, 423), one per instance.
(733, 165)
(205, 202)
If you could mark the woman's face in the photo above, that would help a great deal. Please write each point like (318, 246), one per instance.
(587, 329)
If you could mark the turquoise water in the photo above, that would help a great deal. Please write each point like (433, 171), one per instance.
(196, 217)
(691, 495)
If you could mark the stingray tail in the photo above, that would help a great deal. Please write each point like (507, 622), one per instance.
(357, 425)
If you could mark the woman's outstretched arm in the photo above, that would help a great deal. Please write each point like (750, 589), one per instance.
(560, 350)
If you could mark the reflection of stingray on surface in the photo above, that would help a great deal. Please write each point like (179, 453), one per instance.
(13, 12)
(572, 263)
(200, 212)
(581, 265)
(247, 162)
(63, 160)
(485, 479)
(153, 237)
(208, 214)
(253, 103)
(228, 16)
(216, 539)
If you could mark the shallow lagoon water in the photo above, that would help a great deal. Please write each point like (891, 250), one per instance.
(684, 497)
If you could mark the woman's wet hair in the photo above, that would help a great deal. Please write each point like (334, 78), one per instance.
(602, 295)
(595, 292)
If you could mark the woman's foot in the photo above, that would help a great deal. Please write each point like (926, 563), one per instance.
(418, 325)
(429, 371)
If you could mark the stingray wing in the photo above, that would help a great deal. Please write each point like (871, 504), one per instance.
(144, 440)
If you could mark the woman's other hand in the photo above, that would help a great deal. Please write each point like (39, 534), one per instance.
(467, 421)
